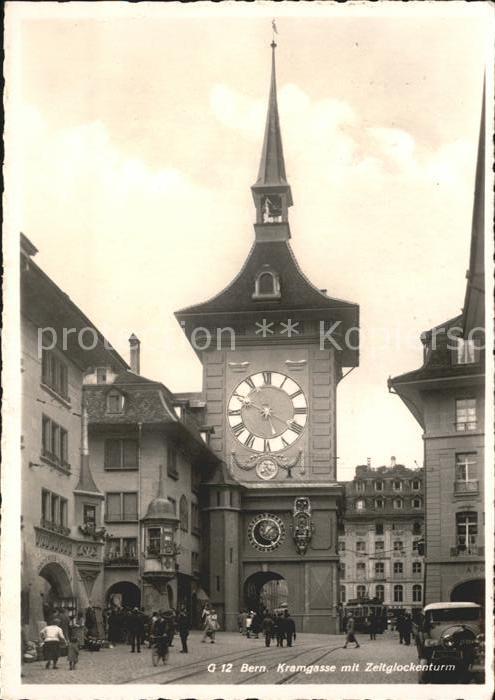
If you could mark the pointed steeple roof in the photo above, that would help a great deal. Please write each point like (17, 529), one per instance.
(86, 483)
(474, 301)
(272, 165)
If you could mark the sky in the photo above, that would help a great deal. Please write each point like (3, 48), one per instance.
(138, 132)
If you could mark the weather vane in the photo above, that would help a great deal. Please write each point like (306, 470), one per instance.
(274, 31)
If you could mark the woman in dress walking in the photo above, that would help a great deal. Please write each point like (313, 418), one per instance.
(52, 636)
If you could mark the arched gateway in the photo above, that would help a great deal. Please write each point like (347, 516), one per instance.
(124, 594)
(265, 590)
(472, 591)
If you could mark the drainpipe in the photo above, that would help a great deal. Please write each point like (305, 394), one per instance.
(140, 533)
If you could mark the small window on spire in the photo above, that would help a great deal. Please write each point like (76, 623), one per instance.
(266, 284)
(271, 208)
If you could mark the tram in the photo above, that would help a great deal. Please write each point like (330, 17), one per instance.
(361, 609)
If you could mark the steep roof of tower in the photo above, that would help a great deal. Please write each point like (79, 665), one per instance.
(296, 291)
(272, 164)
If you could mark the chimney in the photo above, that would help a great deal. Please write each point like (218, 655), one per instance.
(392, 461)
(135, 352)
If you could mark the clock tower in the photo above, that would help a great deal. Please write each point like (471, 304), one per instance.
(271, 366)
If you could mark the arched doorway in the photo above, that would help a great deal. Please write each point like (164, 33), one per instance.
(56, 590)
(265, 590)
(124, 594)
(472, 591)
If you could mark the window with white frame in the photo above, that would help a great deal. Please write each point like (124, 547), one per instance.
(417, 567)
(379, 503)
(398, 593)
(360, 591)
(465, 415)
(465, 351)
(379, 546)
(342, 594)
(54, 512)
(398, 567)
(360, 569)
(417, 503)
(397, 485)
(266, 284)
(398, 545)
(55, 373)
(379, 485)
(115, 402)
(360, 547)
(398, 503)
(121, 453)
(467, 532)
(416, 485)
(465, 466)
(360, 504)
(379, 568)
(380, 592)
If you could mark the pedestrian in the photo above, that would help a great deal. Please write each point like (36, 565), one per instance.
(211, 626)
(64, 622)
(90, 621)
(52, 637)
(73, 649)
(255, 624)
(290, 628)
(145, 620)
(183, 627)
(280, 628)
(77, 629)
(372, 626)
(170, 623)
(407, 629)
(136, 626)
(400, 628)
(267, 629)
(350, 636)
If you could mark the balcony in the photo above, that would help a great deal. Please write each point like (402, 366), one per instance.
(470, 487)
(121, 561)
(54, 527)
(470, 551)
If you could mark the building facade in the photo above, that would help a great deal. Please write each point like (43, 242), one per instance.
(148, 456)
(270, 386)
(382, 537)
(447, 396)
(60, 566)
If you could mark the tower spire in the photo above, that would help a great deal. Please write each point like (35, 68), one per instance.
(271, 191)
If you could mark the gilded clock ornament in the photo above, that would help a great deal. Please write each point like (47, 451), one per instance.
(267, 412)
(266, 532)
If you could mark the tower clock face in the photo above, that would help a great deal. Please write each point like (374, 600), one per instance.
(267, 411)
(266, 532)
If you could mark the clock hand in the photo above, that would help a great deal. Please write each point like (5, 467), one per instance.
(272, 428)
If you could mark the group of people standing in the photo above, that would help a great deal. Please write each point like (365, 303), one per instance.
(277, 626)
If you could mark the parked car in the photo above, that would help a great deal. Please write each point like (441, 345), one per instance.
(450, 634)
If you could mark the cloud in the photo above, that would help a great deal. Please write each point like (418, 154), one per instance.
(329, 139)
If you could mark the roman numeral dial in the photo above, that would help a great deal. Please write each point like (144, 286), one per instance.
(267, 411)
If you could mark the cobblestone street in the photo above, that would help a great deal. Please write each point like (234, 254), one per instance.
(237, 660)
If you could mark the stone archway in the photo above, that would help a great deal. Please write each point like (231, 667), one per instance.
(124, 594)
(265, 590)
(472, 591)
(57, 588)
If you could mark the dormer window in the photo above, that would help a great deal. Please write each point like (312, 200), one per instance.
(115, 402)
(266, 284)
(101, 375)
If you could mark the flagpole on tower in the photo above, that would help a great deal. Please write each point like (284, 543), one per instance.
(274, 31)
